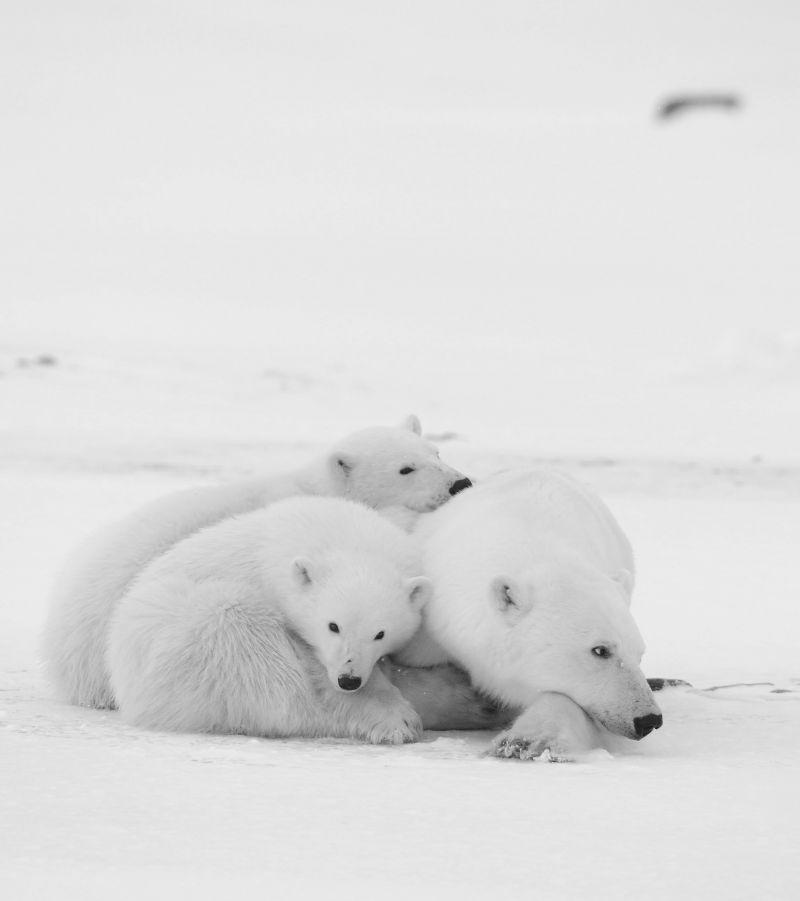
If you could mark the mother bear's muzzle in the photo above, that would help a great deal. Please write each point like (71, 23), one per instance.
(644, 725)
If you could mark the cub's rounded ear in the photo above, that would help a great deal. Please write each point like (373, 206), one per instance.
(340, 465)
(412, 423)
(303, 570)
(508, 598)
(420, 589)
(626, 579)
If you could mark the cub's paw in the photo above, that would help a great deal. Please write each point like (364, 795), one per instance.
(525, 747)
(397, 725)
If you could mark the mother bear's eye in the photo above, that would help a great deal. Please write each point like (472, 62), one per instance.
(601, 651)
(379, 636)
(333, 627)
(406, 470)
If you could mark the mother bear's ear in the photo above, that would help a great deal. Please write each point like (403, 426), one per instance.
(509, 599)
(420, 589)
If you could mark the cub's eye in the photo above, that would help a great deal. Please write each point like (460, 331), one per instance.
(379, 636)
(601, 651)
(333, 627)
(406, 470)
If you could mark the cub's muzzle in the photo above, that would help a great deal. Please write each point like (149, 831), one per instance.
(460, 485)
(349, 683)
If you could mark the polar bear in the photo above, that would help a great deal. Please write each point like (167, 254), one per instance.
(379, 466)
(271, 624)
(532, 581)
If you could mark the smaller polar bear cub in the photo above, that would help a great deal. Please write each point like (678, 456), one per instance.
(271, 624)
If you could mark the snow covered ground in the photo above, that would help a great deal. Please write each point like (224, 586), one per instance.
(706, 807)
(244, 229)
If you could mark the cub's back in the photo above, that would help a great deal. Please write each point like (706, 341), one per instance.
(242, 547)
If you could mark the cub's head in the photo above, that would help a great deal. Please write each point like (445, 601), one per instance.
(568, 629)
(354, 614)
(387, 467)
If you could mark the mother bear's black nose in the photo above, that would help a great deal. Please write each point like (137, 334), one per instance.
(644, 725)
(460, 485)
(349, 683)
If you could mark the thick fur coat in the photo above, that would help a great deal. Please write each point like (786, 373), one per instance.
(272, 623)
(532, 581)
(380, 467)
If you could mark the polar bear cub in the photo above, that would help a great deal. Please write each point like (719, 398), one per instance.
(381, 467)
(532, 581)
(271, 624)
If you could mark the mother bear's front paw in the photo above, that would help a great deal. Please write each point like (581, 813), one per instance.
(526, 747)
(554, 728)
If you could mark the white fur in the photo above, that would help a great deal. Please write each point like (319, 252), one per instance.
(229, 631)
(530, 573)
(365, 467)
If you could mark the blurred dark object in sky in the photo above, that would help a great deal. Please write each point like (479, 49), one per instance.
(681, 103)
(40, 360)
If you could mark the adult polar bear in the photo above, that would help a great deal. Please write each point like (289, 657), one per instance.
(271, 624)
(381, 467)
(532, 582)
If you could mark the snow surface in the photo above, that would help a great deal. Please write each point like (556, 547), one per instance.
(706, 807)
(244, 229)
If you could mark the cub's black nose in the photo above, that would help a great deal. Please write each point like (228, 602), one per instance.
(644, 725)
(460, 485)
(349, 683)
